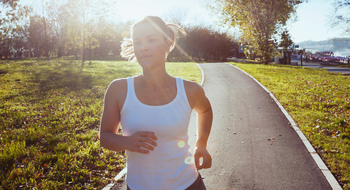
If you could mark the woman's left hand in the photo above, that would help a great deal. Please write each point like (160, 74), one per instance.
(202, 153)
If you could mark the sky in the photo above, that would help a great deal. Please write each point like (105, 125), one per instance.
(312, 22)
(138, 9)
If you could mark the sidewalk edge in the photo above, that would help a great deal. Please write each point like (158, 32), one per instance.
(116, 178)
(202, 74)
(322, 166)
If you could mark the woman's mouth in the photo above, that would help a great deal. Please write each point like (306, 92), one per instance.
(146, 56)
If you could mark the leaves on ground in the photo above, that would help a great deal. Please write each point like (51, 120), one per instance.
(49, 122)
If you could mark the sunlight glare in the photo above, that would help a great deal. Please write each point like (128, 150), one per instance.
(125, 34)
(189, 160)
(181, 144)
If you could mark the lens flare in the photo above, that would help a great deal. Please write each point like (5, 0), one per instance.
(181, 144)
(125, 34)
(188, 160)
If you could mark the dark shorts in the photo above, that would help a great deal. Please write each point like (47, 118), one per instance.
(197, 185)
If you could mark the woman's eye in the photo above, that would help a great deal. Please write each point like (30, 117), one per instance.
(152, 40)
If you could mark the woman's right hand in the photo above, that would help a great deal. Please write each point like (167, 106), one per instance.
(142, 142)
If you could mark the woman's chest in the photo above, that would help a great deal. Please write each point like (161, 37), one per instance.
(170, 120)
(156, 97)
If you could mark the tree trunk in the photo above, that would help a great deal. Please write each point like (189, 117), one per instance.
(83, 39)
(7, 51)
(90, 54)
(75, 48)
(30, 51)
(45, 38)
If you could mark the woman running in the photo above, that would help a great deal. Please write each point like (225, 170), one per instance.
(154, 110)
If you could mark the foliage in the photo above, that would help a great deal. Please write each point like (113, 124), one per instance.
(258, 20)
(319, 103)
(177, 16)
(78, 19)
(82, 27)
(202, 43)
(49, 122)
(286, 41)
(65, 28)
(11, 13)
(340, 17)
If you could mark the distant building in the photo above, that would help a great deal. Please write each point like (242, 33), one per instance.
(313, 51)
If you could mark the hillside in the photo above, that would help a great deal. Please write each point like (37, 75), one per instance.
(340, 46)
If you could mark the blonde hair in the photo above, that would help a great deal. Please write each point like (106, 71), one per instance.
(166, 29)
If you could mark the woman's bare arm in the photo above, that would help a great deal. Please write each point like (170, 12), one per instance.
(200, 103)
(110, 121)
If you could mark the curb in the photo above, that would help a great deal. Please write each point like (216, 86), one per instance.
(123, 172)
(202, 74)
(120, 175)
(321, 165)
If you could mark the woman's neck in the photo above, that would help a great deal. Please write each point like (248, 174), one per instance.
(155, 77)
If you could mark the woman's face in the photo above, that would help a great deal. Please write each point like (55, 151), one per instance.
(150, 47)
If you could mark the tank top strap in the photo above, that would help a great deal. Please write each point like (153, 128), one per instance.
(131, 87)
(180, 86)
(130, 93)
(182, 91)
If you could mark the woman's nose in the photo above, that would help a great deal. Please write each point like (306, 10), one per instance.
(144, 46)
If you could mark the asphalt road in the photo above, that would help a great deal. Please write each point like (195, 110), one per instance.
(245, 117)
(252, 143)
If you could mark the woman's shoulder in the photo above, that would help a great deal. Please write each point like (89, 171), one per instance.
(118, 85)
(118, 82)
(194, 92)
(193, 88)
(117, 91)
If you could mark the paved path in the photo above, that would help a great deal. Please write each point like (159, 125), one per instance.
(245, 117)
(247, 160)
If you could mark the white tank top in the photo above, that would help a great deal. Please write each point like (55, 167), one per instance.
(170, 165)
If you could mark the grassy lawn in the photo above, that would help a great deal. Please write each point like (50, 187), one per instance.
(49, 121)
(344, 65)
(319, 102)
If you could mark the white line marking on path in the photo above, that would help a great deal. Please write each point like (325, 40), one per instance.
(329, 176)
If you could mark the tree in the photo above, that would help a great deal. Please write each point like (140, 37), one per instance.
(177, 16)
(258, 20)
(47, 37)
(81, 16)
(10, 13)
(58, 18)
(35, 36)
(341, 15)
(286, 41)
(204, 43)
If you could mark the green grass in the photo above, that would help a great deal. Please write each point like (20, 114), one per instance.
(49, 122)
(343, 65)
(319, 102)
